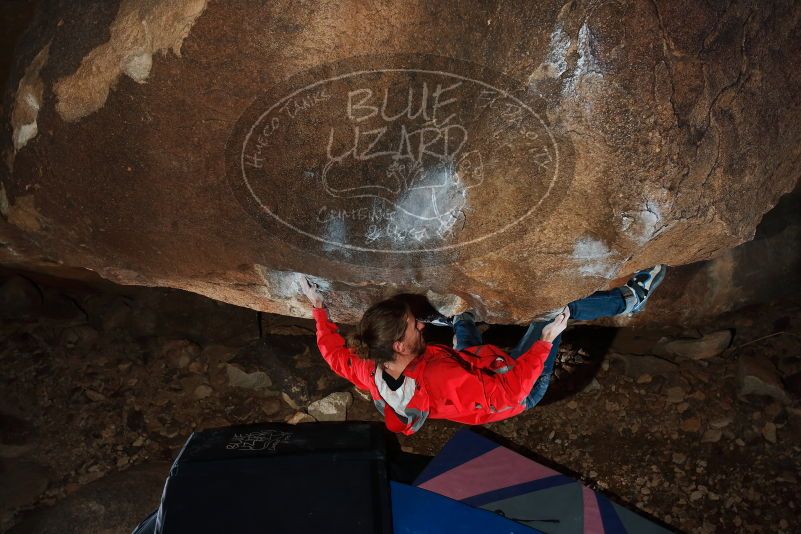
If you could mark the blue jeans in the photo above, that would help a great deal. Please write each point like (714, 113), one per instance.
(599, 304)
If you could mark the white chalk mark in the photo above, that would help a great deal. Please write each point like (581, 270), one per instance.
(408, 150)
(138, 66)
(595, 258)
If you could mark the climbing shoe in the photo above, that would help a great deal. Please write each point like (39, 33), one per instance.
(437, 319)
(643, 283)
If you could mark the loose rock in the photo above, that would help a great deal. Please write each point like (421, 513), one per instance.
(675, 395)
(214, 354)
(712, 435)
(758, 376)
(702, 348)
(179, 352)
(255, 381)
(289, 401)
(94, 396)
(271, 406)
(693, 424)
(116, 314)
(636, 365)
(594, 385)
(300, 417)
(334, 407)
(720, 422)
(203, 391)
(81, 336)
(769, 432)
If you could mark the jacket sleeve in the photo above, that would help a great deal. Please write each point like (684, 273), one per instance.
(337, 355)
(511, 387)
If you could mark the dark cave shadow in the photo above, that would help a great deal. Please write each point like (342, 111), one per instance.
(596, 341)
(419, 304)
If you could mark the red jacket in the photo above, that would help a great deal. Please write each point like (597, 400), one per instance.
(473, 386)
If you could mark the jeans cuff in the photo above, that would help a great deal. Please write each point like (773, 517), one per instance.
(467, 317)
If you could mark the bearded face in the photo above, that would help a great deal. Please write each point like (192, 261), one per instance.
(412, 341)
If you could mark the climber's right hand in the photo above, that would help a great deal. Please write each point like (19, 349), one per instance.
(312, 293)
(552, 330)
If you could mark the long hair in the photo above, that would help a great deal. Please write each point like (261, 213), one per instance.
(382, 324)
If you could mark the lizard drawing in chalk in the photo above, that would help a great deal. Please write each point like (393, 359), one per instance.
(435, 192)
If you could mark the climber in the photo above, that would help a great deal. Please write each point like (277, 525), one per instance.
(471, 383)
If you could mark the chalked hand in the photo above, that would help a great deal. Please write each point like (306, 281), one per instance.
(310, 290)
(552, 330)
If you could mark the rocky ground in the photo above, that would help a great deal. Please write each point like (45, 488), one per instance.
(100, 389)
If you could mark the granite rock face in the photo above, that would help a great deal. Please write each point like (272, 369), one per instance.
(507, 157)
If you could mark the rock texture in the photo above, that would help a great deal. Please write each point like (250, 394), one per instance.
(334, 407)
(501, 156)
(758, 376)
(761, 271)
(673, 445)
(116, 503)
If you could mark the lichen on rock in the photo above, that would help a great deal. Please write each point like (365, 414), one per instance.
(28, 101)
(141, 29)
(23, 214)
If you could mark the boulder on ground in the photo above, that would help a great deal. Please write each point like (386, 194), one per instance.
(702, 348)
(637, 365)
(81, 336)
(334, 407)
(507, 156)
(300, 417)
(757, 376)
(180, 352)
(255, 381)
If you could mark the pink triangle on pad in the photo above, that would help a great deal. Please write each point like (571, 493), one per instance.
(496, 469)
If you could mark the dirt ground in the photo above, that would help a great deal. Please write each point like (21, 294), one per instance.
(99, 384)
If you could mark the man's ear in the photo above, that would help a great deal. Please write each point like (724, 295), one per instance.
(397, 346)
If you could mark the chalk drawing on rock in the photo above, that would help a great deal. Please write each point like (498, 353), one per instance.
(383, 158)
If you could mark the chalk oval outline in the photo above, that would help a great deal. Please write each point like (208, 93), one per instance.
(453, 246)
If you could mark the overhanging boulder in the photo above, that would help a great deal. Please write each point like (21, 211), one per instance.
(508, 157)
